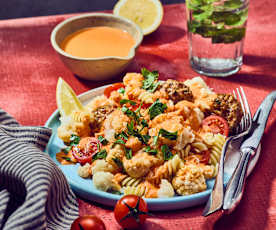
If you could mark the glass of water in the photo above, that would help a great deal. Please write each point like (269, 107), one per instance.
(216, 32)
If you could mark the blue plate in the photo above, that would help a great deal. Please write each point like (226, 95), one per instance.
(85, 188)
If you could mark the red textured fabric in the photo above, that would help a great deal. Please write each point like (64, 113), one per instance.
(29, 69)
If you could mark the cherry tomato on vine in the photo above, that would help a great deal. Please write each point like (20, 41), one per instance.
(216, 124)
(110, 89)
(131, 211)
(86, 149)
(88, 222)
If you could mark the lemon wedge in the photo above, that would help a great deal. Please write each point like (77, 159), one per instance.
(67, 100)
(147, 14)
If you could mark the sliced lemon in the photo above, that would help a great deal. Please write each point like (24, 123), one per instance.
(67, 101)
(147, 14)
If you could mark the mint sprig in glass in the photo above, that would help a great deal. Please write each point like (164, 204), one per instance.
(216, 31)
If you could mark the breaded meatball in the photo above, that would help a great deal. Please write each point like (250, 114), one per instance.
(177, 91)
(228, 107)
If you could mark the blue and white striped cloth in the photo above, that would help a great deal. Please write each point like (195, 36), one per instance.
(34, 194)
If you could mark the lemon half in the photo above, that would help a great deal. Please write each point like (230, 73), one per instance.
(147, 14)
(67, 100)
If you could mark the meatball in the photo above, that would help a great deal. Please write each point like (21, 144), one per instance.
(228, 107)
(177, 91)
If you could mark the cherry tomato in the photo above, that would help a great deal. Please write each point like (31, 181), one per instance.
(84, 151)
(110, 89)
(88, 222)
(131, 211)
(216, 124)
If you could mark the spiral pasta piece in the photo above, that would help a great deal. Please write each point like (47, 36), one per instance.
(215, 142)
(165, 171)
(139, 190)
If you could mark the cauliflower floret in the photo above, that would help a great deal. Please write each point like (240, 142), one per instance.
(69, 126)
(102, 166)
(166, 189)
(189, 180)
(84, 171)
(103, 180)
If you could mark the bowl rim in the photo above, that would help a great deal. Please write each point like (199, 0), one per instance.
(130, 55)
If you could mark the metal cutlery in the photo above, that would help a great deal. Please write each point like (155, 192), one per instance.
(235, 187)
(216, 197)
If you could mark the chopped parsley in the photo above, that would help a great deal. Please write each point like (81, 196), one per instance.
(167, 154)
(150, 151)
(150, 82)
(120, 142)
(155, 139)
(100, 155)
(129, 112)
(119, 163)
(103, 140)
(134, 132)
(125, 101)
(121, 135)
(122, 90)
(156, 108)
(166, 134)
(128, 153)
(67, 158)
(74, 140)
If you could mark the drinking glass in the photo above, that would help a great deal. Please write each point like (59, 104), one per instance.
(216, 32)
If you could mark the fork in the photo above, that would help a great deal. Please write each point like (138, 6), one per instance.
(216, 197)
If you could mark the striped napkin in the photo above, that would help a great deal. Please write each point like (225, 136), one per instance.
(34, 194)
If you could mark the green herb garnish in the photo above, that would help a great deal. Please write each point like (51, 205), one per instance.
(150, 151)
(125, 101)
(168, 135)
(74, 140)
(122, 90)
(67, 158)
(150, 83)
(121, 135)
(103, 140)
(120, 142)
(156, 108)
(134, 132)
(129, 113)
(118, 162)
(155, 139)
(128, 153)
(167, 154)
(100, 155)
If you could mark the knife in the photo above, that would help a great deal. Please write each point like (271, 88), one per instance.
(235, 186)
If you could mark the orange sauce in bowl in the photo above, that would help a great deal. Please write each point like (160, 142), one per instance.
(95, 42)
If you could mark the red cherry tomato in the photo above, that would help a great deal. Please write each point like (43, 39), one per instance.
(110, 89)
(88, 222)
(216, 124)
(131, 211)
(84, 151)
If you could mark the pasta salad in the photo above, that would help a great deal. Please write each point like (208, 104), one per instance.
(148, 137)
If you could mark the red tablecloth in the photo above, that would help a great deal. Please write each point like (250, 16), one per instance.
(29, 69)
